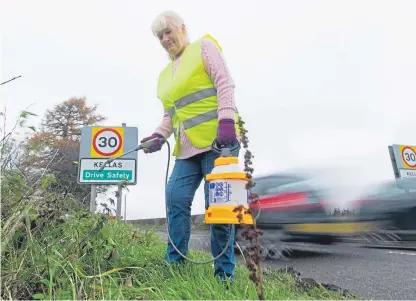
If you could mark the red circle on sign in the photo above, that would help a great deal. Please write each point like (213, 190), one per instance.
(405, 148)
(107, 130)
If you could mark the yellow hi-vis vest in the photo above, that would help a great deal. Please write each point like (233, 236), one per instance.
(190, 97)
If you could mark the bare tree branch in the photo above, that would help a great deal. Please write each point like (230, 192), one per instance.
(16, 77)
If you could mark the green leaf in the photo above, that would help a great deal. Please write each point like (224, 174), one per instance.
(26, 113)
(105, 232)
(47, 180)
(75, 162)
(111, 241)
(64, 295)
(35, 148)
(38, 296)
(32, 128)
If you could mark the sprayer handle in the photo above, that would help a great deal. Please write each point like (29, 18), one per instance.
(148, 143)
(218, 148)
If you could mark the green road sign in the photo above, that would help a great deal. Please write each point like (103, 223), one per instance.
(107, 175)
(120, 170)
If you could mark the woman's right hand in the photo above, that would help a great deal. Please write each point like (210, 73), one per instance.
(156, 145)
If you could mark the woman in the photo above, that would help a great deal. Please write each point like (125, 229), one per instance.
(196, 91)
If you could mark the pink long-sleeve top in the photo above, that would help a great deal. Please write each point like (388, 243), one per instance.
(216, 68)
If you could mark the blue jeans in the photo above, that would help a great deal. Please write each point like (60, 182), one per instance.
(185, 179)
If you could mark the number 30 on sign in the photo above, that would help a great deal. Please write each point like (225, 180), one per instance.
(409, 156)
(107, 142)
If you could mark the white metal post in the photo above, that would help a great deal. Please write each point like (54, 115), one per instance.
(93, 196)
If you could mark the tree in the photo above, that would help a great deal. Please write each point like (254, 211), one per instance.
(65, 120)
(56, 145)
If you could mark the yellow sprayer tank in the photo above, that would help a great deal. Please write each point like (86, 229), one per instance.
(227, 192)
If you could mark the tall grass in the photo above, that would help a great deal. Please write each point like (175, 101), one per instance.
(46, 255)
(52, 249)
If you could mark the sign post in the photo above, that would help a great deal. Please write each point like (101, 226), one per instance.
(93, 196)
(100, 143)
(125, 208)
(119, 200)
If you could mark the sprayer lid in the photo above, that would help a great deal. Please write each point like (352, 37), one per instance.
(236, 175)
(225, 161)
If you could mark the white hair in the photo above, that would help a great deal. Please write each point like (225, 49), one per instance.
(160, 22)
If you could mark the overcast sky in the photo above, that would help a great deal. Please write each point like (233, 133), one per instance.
(321, 84)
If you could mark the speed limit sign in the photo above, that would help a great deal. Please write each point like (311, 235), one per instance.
(409, 156)
(107, 142)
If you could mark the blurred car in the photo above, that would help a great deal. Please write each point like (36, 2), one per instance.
(391, 207)
(294, 203)
(287, 198)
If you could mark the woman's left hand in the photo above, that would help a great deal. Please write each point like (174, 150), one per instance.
(226, 133)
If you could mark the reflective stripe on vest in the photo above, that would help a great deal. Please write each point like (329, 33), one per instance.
(204, 117)
(191, 98)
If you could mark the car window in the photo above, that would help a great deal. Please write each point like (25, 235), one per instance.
(387, 191)
(265, 185)
(297, 186)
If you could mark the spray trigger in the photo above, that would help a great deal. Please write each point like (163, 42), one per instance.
(218, 148)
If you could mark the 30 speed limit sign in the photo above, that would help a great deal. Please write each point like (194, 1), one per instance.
(107, 142)
(409, 156)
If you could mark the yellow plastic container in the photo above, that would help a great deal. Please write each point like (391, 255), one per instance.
(228, 196)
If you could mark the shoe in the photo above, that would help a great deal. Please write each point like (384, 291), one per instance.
(225, 280)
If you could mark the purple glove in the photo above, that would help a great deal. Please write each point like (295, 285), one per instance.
(155, 146)
(226, 133)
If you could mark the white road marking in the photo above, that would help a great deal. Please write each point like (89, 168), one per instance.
(402, 253)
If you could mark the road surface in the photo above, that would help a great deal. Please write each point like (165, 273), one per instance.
(370, 273)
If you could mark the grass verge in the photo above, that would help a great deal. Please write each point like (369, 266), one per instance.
(88, 257)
